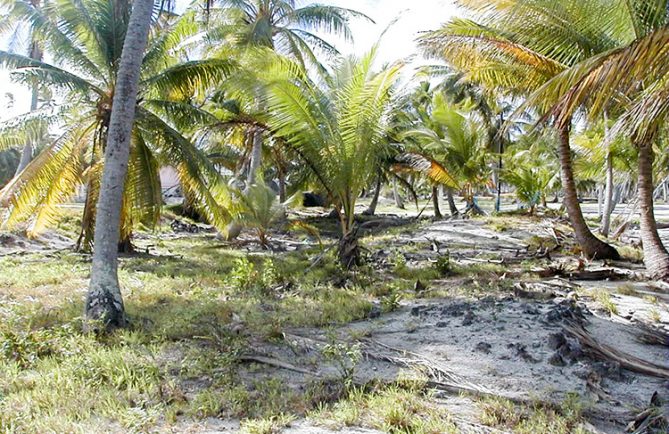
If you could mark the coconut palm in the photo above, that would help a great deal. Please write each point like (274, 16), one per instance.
(454, 139)
(531, 167)
(280, 26)
(515, 47)
(631, 77)
(15, 24)
(104, 301)
(85, 40)
(338, 128)
(604, 161)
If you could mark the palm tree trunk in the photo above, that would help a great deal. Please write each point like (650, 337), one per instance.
(256, 158)
(591, 246)
(451, 203)
(655, 255)
(435, 202)
(375, 199)
(28, 149)
(397, 196)
(234, 229)
(608, 197)
(104, 301)
(282, 186)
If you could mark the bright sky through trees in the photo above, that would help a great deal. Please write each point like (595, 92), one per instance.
(399, 42)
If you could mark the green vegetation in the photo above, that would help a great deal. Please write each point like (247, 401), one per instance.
(528, 419)
(276, 142)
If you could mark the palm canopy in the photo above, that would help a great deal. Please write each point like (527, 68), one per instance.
(280, 25)
(632, 78)
(450, 135)
(338, 126)
(517, 46)
(84, 40)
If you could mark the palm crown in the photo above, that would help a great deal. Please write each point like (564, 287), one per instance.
(84, 40)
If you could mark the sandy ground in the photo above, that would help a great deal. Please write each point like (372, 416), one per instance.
(500, 344)
(505, 345)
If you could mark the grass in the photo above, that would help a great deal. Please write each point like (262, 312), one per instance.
(603, 297)
(178, 358)
(195, 306)
(533, 419)
(395, 409)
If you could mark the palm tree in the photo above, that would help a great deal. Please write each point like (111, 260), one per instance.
(632, 77)
(531, 167)
(338, 129)
(506, 50)
(449, 135)
(85, 40)
(104, 301)
(280, 26)
(16, 16)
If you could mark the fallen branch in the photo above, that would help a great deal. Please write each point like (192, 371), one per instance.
(277, 364)
(606, 352)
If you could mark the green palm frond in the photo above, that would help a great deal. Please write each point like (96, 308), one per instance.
(31, 127)
(199, 178)
(47, 181)
(190, 77)
(28, 70)
(338, 129)
(143, 193)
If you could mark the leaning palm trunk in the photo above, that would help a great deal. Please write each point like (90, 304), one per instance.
(234, 229)
(371, 210)
(655, 255)
(608, 197)
(104, 301)
(451, 202)
(591, 246)
(256, 158)
(349, 250)
(435, 202)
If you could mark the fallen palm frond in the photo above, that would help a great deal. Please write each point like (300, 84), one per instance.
(437, 173)
(606, 352)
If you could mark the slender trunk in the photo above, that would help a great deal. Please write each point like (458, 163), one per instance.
(600, 202)
(28, 149)
(591, 246)
(104, 301)
(282, 186)
(397, 196)
(498, 198)
(608, 196)
(435, 202)
(451, 203)
(655, 255)
(256, 158)
(375, 199)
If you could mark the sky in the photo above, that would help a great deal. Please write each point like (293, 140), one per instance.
(398, 43)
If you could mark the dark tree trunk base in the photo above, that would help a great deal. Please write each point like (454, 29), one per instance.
(103, 313)
(349, 250)
(435, 203)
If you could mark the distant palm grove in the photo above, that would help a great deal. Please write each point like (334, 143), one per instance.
(533, 108)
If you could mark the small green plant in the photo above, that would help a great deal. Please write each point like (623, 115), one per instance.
(655, 315)
(628, 289)
(391, 302)
(269, 425)
(603, 297)
(443, 264)
(399, 263)
(345, 356)
(243, 274)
